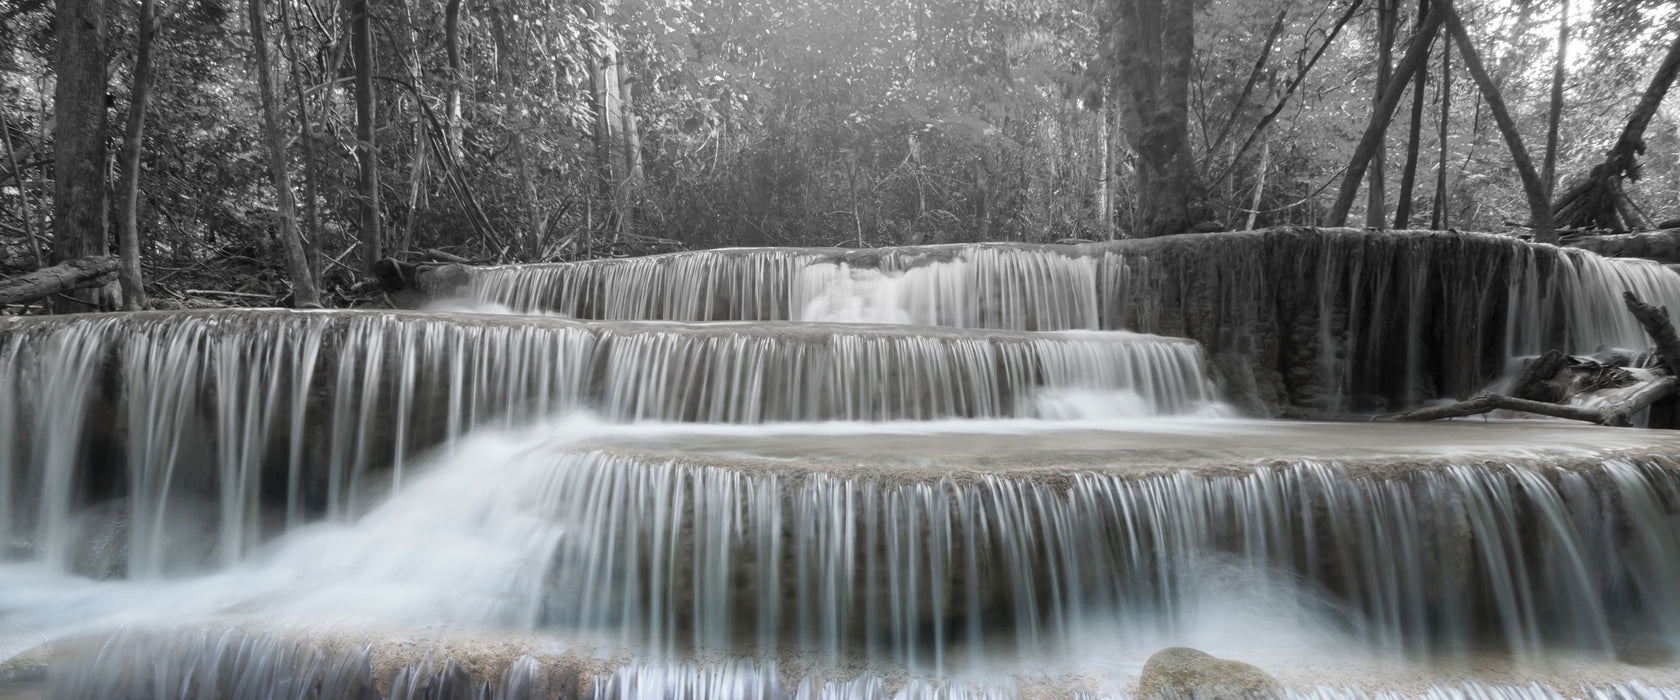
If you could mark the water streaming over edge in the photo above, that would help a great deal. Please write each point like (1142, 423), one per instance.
(1326, 319)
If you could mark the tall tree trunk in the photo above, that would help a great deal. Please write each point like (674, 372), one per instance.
(1156, 44)
(367, 150)
(632, 150)
(1416, 57)
(418, 162)
(306, 142)
(1539, 208)
(1377, 185)
(79, 159)
(304, 293)
(531, 246)
(134, 291)
(452, 48)
(1560, 70)
(1438, 213)
(1414, 138)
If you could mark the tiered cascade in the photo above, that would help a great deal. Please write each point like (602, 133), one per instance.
(824, 473)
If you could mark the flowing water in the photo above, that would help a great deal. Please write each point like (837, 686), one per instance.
(946, 472)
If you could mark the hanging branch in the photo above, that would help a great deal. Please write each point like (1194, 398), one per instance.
(1288, 92)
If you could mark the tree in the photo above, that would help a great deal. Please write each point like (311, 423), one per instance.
(304, 292)
(367, 148)
(1153, 52)
(1597, 200)
(79, 160)
(134, 290)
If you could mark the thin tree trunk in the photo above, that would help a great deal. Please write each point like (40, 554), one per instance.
(306, 142)
(1248, 85)
(632, 149)
(1288, 92)
(134, 291)
(1414, 139)
(1560, 70)
(23, 197)
(79, 157)
(304, 293)
(1415, 58)
(367, 150)
(1377, 185)
(1539, 207)
(531, 242)
(1438, 215)
(418, 161)
(452, 47)
(1596, 199)
(1259, 184)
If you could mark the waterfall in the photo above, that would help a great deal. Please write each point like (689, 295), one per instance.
(274, 418)
(1382, 320)
(961, 471)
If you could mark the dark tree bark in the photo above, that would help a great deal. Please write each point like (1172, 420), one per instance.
(1548, 171)
(367, 149)
(1539, 208)
(1597, 200)
(1376, 187)
(1438, 214)
(1415, 58)
(134, 291)
(79, 159)
(1414, 139)
(452, 48)
(304, 293)
(1155, 48)
(1657, 325)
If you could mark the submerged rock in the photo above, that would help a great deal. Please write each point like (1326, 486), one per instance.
(1180, 672)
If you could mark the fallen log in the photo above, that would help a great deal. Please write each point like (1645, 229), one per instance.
(63, 277)
(1618, 414)
(1661, 246)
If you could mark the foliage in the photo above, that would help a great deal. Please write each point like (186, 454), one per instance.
(787, 122)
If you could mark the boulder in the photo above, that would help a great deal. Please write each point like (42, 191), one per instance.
(1179, 672)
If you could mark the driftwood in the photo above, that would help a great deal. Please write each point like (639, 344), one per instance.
(1656, 323)
(1620, 413)
(1534, 382)
(63, 277)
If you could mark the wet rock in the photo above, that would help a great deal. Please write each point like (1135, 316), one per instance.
(29, 666)
(1180, 672)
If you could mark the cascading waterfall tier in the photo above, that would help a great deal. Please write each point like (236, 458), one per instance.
(948, 549)
(267, 419)
(1326, 319)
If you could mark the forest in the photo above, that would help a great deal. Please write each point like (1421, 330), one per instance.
(262, 152)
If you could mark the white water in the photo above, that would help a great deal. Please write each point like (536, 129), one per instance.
(553, 530)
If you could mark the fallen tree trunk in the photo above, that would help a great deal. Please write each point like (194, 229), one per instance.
(1618, 414)
(1661, 246)
(63, 277)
